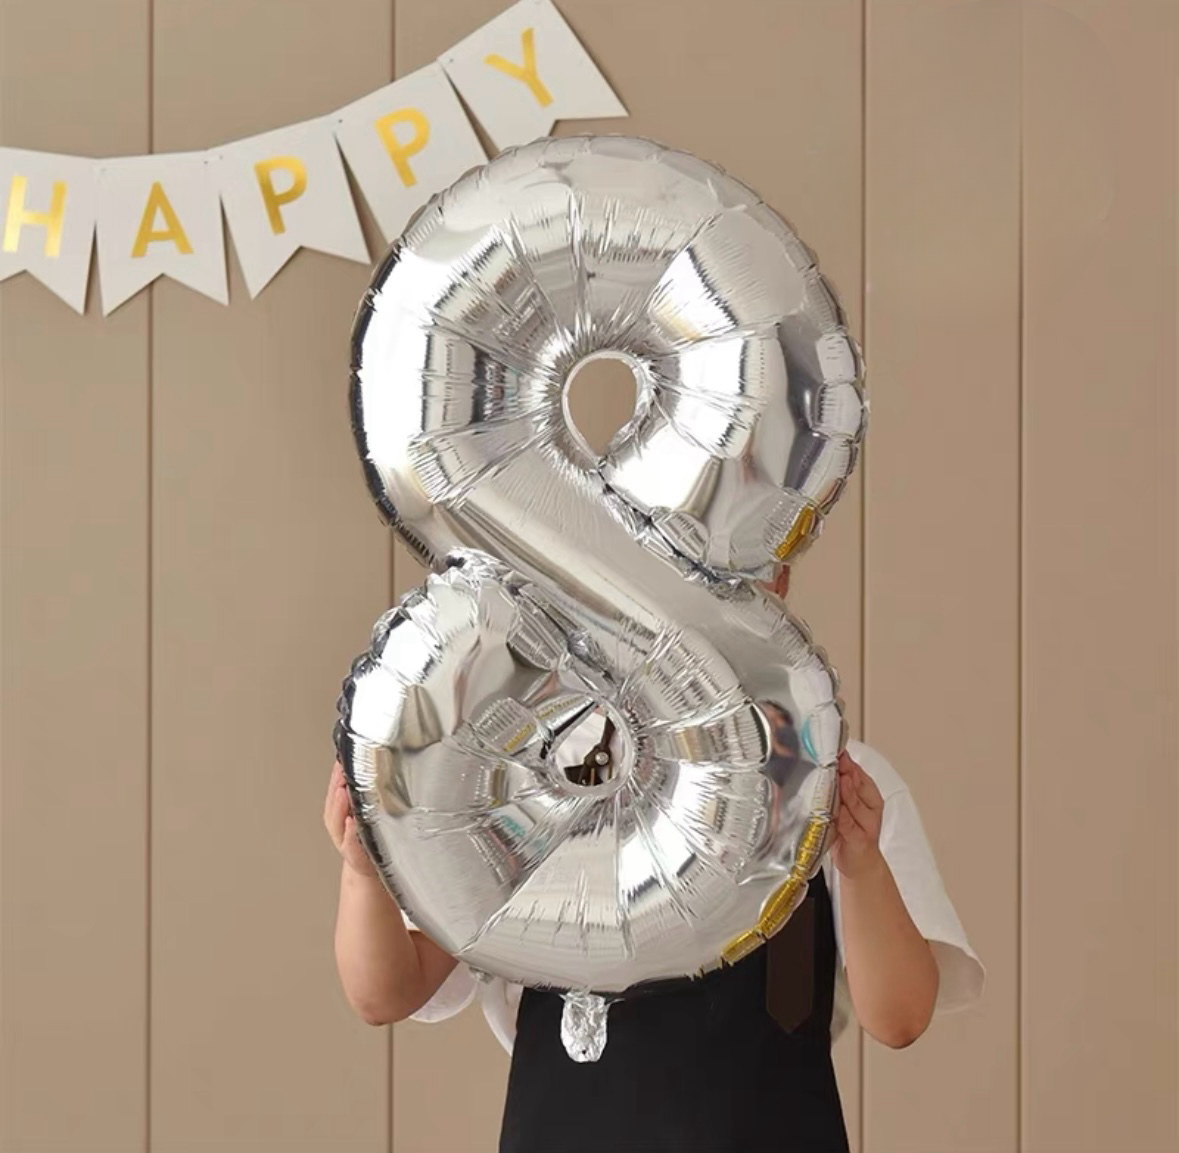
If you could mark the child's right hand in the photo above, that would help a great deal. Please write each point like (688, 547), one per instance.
(341, 825)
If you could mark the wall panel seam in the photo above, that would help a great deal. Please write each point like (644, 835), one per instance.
(861, 1127)
(391, 583)
(149, 735)
(1021, 584)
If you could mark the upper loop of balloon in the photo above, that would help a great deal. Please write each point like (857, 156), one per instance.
(571, 590)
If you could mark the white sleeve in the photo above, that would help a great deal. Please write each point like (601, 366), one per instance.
(453, 995)
(910, 857)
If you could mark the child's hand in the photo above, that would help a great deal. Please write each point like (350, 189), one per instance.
(341, 825)
(856, 849)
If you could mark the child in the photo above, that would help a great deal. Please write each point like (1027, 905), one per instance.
(738, 1061)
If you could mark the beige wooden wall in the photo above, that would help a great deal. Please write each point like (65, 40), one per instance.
(190, 561)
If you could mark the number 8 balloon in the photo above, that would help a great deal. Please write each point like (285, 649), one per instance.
(573, 592)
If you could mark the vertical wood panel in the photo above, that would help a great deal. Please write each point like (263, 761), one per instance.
(782, 112)
(1099, 1024)
(73, 621)
(270, 567)
(942, 553)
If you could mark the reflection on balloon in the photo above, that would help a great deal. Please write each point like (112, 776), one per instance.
(590, 753)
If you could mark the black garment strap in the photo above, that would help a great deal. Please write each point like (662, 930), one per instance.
(790, 968)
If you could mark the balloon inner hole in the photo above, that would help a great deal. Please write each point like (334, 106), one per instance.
(589, 755)
(601, 395)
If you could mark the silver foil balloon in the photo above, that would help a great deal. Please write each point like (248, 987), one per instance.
(590, 753)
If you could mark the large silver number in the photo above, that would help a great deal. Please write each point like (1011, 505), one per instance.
(560, 747)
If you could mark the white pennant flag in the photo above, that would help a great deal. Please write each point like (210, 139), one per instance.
(159, 216)
(283, 191)
(48, 220)
(405, 142)
(526, 70)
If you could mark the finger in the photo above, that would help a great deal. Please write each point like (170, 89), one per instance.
(869, 792)
(846, 828)
(337, 783)
(339, 817)
(847, 772)
(346, 802)
(865, 787)
(330, 800)
(332, 818)
(847, 796)
(854, 806)
(847, 786)
(352, 833)
(850, 772)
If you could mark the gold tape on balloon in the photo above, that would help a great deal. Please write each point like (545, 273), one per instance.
(786, 898)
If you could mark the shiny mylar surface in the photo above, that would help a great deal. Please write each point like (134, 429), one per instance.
(570, 590)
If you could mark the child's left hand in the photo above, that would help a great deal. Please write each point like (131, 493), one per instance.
(856, 848)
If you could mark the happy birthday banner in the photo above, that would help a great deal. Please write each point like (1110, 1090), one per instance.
(161, 215)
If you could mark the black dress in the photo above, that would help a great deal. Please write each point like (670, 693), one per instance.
(702, 1067)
